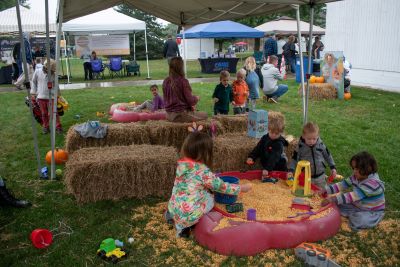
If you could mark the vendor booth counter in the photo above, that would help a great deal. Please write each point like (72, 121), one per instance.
(216, 65)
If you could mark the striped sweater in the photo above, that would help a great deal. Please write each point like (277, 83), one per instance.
(366, 195)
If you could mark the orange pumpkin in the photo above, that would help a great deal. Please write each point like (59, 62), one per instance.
(312, 79)
(347, 96)
(60, 156)
(319, 79)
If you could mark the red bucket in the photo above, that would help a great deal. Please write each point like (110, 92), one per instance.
(41, 238)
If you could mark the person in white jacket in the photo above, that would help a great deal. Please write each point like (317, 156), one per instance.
(40, 90)
(271, 75)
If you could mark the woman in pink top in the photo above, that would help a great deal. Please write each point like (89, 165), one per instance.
(178, 98)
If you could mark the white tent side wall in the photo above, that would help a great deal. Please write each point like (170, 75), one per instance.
(369, 36)
(193, 48)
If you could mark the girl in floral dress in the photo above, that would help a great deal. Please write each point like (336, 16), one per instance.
(192, 195)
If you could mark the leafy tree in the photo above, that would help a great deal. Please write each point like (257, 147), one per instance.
(170, 29)
(155, 33)
(319, 16)
(6, 4)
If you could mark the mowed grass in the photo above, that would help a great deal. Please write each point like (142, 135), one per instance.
(369, 121)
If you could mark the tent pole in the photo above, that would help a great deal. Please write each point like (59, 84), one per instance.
(134, 46)
(66, 57)
(184, 50)
(49, 79)
(56, 85)
(27, 85)
(301, 62)
(200, 48)
(69, 63)
(147, 54)
(310, 63)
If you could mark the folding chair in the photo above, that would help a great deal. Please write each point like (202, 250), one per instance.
(97, 68)
(115, 67)
(258, 55)
(133, 67)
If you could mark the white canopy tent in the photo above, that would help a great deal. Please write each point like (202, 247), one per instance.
(288, 26)
(107, 21)
(30, 21)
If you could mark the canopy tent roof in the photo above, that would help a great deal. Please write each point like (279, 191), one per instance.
(222, 29)
(108, 21)
(188, 12)
(31, 21)
(288, 26)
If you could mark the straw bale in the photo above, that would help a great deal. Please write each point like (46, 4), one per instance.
(233, 123)
(231, 150)
(320, 91)
(111, 173)
(118, 134)
(291, 147)
(173, 133)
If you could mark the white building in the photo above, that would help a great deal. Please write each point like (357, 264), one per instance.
(368, 32)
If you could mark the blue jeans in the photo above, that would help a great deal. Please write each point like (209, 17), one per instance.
(292, 61)
(282, 89)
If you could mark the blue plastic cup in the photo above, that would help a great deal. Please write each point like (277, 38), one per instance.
(251, 214)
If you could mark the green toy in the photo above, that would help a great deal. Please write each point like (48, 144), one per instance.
(235, 207)
(109, 251)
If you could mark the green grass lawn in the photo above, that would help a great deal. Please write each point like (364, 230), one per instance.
(369, 121)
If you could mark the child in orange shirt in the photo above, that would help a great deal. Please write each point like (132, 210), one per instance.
(240, 92)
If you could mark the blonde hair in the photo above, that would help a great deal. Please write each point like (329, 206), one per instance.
(250, 63)
(241, 72)
(52, 65)
(224, 74)
(310, 127)
(276, 121)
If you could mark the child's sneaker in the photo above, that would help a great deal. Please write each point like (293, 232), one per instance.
(59, 131)
(45, 130)
(273, 100)
(168, 218)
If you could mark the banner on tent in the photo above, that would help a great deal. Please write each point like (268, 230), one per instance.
(106, 45)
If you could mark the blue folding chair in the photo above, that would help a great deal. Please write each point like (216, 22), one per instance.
(115, 67)
(97, 68)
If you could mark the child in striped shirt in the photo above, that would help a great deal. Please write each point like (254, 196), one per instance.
(361, 196)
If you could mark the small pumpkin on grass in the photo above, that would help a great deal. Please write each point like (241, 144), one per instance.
(347, 96)
(60, 156)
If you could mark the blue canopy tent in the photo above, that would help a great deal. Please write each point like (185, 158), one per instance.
(219, 29)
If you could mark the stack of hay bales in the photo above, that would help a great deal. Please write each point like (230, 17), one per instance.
(233, 123)
(150, 132)
(118, 134)
(320, 91)
(116, 172)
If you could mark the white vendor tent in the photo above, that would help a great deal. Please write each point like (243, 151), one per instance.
(288, 26)
(107, 21)
(31, 21)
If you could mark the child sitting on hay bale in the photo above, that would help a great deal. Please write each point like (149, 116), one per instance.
(222, 95)
(240, 92)
(270, 149)
(179, 101)
(152, 105)
(364, 205)
(312, 149)
(191, 195)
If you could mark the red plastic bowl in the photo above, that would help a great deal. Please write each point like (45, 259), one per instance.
(41, 238)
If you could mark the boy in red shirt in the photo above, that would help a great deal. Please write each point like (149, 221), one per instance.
(240, 92)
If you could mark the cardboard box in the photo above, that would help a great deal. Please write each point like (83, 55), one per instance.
(257, 123)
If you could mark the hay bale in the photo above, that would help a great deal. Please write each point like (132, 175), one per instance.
(233, 123)
(320, 91)
(291, 147)
(118, 134)
(117, 172)
(231, 150)
(173, 133)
